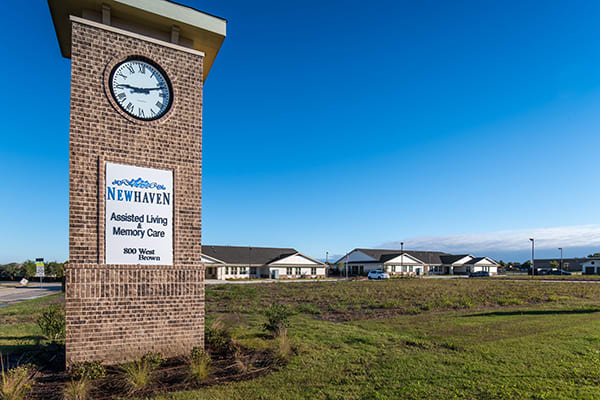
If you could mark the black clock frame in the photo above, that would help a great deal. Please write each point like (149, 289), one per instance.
(159, 69)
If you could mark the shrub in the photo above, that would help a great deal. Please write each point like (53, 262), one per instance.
(218, 338)
(78, 389)
(87, 369)
(15, 383)
(200, 365)
(137, 374)
(154, 359)
(52, 322)
(278, 317)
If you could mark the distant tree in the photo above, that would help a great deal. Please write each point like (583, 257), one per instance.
(554, 264)
(55, 268)
(595, 255)
(502, 263)
(9, 271)
(27, 270)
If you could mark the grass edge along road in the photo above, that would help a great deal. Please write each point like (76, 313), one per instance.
(546, 347)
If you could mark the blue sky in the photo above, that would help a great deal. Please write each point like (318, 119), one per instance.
(342, 124)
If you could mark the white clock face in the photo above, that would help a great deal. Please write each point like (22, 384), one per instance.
(141, 89)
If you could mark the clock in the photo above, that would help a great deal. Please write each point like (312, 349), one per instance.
(141, 89)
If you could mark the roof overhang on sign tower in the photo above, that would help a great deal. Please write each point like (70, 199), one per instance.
(160, 19)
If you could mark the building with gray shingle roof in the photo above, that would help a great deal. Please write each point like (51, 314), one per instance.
(244, 262)
(409, 262)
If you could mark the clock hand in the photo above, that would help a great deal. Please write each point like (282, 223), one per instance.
(138, 90)
(153, 88)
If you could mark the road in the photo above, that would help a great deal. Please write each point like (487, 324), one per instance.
(10, 294)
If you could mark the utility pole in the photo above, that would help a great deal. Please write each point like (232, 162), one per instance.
(532, 257)
(561, 260)
(346, 265)
(249, 261)
(402, 258)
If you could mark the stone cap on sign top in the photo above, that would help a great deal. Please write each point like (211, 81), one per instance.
(162, 20)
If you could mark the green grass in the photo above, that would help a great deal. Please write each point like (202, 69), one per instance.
(520, 354)
(422, 339)
(409, 339)
(19, 331)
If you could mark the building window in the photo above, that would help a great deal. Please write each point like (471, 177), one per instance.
(288, 270)
(234, 270)
(410, 269)
(298, 271)
(313, 271)
(243, 270)
(226, 270)
(393, 268)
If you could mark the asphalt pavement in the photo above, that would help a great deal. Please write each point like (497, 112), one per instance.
(11, 292)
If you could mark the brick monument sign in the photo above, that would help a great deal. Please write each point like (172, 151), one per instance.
(135, 282)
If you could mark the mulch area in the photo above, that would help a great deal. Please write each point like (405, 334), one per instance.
(170, 377)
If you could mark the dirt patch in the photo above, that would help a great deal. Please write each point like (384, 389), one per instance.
(170, 377)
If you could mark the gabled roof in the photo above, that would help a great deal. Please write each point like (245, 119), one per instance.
(478, 259)
(244, 255)
(451, 259)
(383, 255)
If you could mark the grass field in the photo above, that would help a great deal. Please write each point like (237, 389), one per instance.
(408, 338)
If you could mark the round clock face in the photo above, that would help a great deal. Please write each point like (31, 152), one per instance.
(141, 89)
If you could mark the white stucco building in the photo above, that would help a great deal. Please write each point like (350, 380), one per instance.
(234, 262)
(591, 267)
(408, 262)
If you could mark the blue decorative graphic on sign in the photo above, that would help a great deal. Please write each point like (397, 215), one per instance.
(139, 183)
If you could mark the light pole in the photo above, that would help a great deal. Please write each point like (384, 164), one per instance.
(347, 273)
(532, 257)
(249, 261)
(561, 258)
(401, 257)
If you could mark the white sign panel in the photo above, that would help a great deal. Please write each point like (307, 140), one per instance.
(39, 271)
(39, 267)
(139, 215)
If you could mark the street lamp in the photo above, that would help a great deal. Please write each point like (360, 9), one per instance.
(561, 260)
(532, 257)
(402, 258)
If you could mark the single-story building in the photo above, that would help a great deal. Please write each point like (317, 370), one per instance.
(591, 266)
(409, 262)
(235, 262)
(568, 264)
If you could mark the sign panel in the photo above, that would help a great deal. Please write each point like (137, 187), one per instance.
(138, 215)
(39, 268)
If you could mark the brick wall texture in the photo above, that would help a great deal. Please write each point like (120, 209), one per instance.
(119, 312)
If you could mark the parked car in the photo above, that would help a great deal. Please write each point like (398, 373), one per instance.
(559, 272)
(479, 274)
(378, 275)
